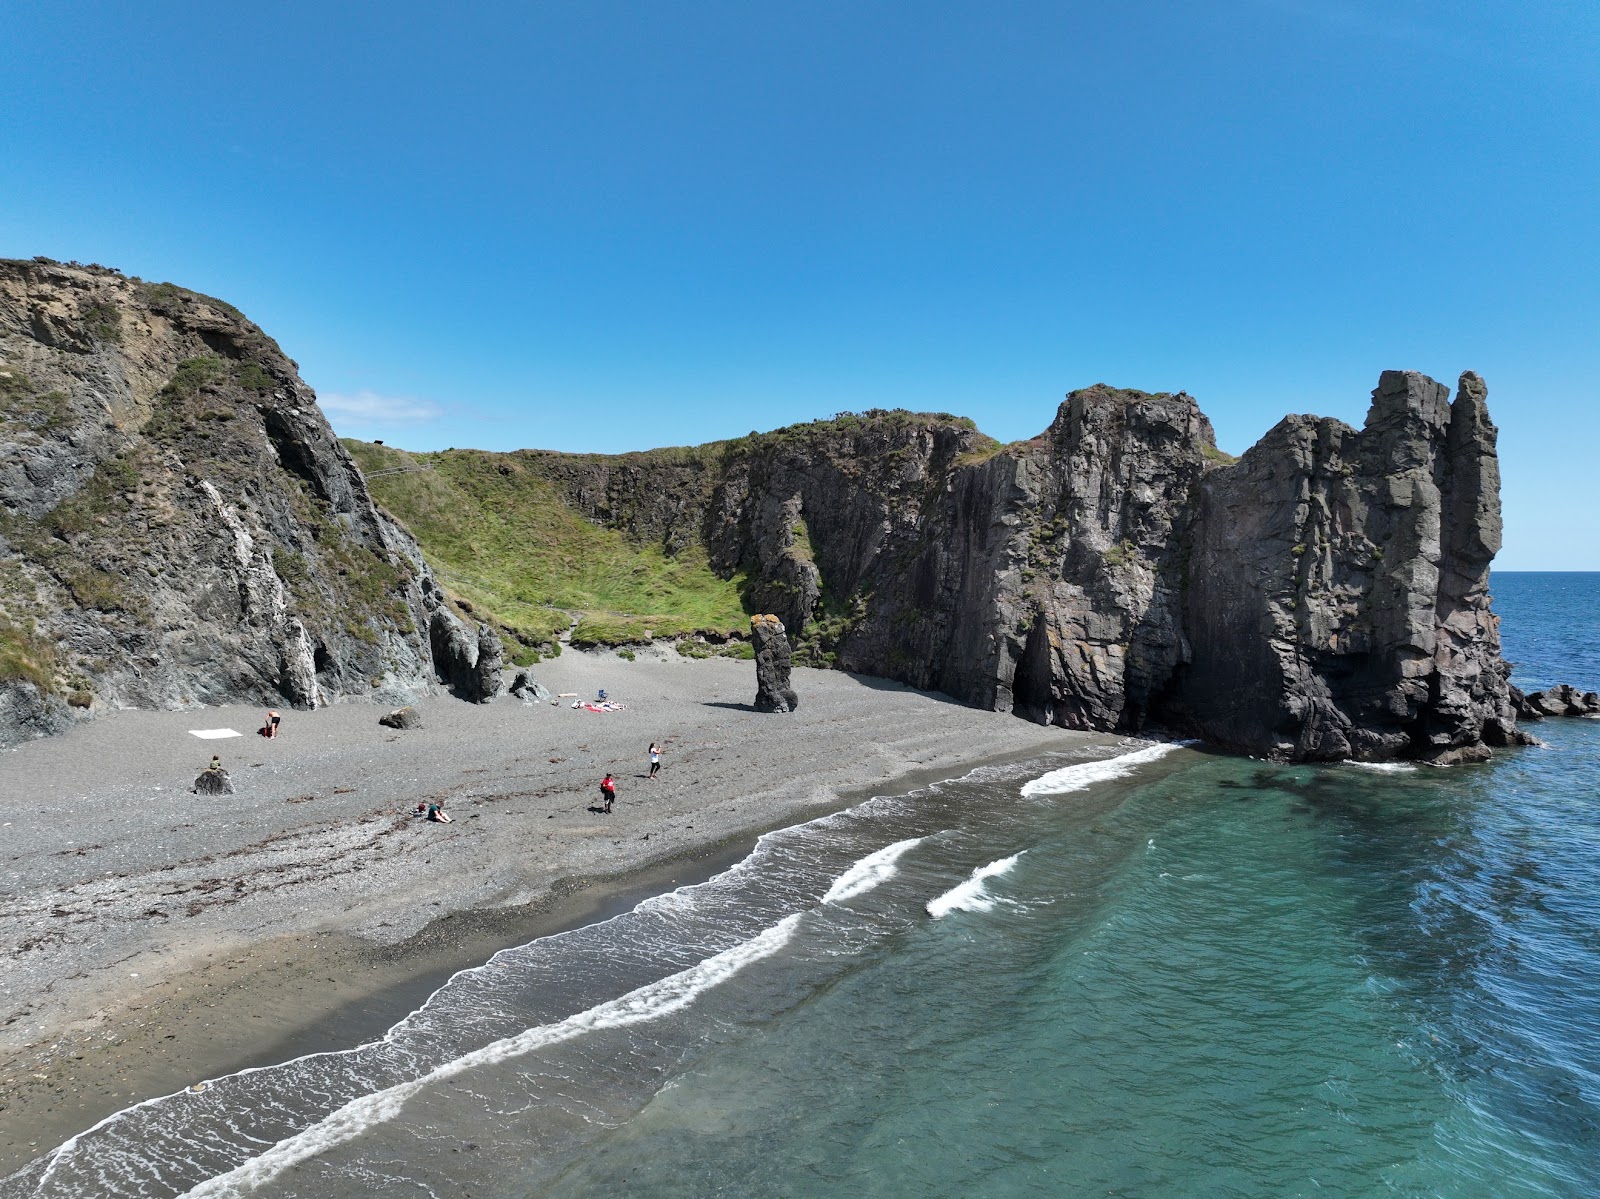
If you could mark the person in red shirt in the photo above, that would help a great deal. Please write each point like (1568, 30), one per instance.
(608, 792)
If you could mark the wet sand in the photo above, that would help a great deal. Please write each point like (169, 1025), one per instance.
(155, 937)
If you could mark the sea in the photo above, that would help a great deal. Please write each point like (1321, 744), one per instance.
(1145, 970)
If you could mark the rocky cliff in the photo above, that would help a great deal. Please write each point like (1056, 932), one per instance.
(178, 524)
(1323, 597)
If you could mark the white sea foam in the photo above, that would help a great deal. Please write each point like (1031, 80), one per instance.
(1383, 767)
(650, 1002)
(1080, 776)
(871, 871)
(971, 895)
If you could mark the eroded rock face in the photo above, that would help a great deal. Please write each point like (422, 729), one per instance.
(1323, 597)
(178, 523)
(774, 693)
(1338, 603)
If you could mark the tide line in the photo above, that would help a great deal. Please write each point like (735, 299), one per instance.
(650, 1002)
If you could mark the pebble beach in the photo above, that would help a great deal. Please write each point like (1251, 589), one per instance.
(155, 937)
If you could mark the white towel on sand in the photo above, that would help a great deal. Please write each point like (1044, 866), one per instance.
(213, 734)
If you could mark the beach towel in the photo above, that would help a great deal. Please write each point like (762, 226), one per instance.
(213, 734)
(609, 706)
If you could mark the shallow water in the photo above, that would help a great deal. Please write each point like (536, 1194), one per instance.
(1176, 974)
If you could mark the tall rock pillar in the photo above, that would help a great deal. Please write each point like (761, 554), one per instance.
(773, 691)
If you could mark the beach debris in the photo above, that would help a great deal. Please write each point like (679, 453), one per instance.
(402, 718)
(213, 780)
(773, 690)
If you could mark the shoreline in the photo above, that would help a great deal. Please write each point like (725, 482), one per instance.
(275, 981)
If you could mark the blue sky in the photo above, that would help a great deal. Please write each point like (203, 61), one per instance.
(602, 226)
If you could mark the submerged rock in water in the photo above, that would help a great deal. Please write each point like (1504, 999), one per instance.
(213, 781)
(402, 718)
(773, 690)
(1561, 700)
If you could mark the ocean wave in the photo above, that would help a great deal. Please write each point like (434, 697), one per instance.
(661, 998)
(871, 871)
(1383, 767)
(1080, 776)
(971, 895)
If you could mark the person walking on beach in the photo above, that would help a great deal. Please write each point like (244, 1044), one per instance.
(655, 758)
(608, 792)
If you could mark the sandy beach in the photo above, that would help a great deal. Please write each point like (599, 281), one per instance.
(155, 937)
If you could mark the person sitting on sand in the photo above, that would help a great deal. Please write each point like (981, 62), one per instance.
(216, 763)
(608, 792)
(435, 810)
(655, 758)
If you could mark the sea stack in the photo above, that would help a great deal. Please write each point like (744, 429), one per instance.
(773, 690)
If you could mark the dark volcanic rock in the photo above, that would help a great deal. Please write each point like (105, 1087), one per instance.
(1323, 597)
(402, 718)
(1338, 601)
(1561, 700)
(213, 781)
(486, 671)
(773, 690)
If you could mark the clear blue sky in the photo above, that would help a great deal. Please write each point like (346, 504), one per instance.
(608, 226)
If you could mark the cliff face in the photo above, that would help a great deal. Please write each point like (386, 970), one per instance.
(1323, 597)
(178, 524)
(1339, 606)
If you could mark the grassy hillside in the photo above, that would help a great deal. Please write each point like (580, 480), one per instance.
(502, 537)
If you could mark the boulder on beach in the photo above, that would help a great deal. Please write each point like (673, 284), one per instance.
(402, 718)
(773, 690)
(526, 687)
(213, 781)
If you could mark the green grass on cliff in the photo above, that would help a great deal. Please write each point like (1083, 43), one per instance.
(504, 539)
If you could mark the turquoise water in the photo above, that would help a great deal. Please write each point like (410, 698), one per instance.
(1172, 974)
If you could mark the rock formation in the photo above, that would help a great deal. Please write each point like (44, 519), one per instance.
(214, 780)
(178, 524)
(1561, 700)
(526, 687)
(1338, 601)
(402, 718)
(774, 693)
(1323, 597)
